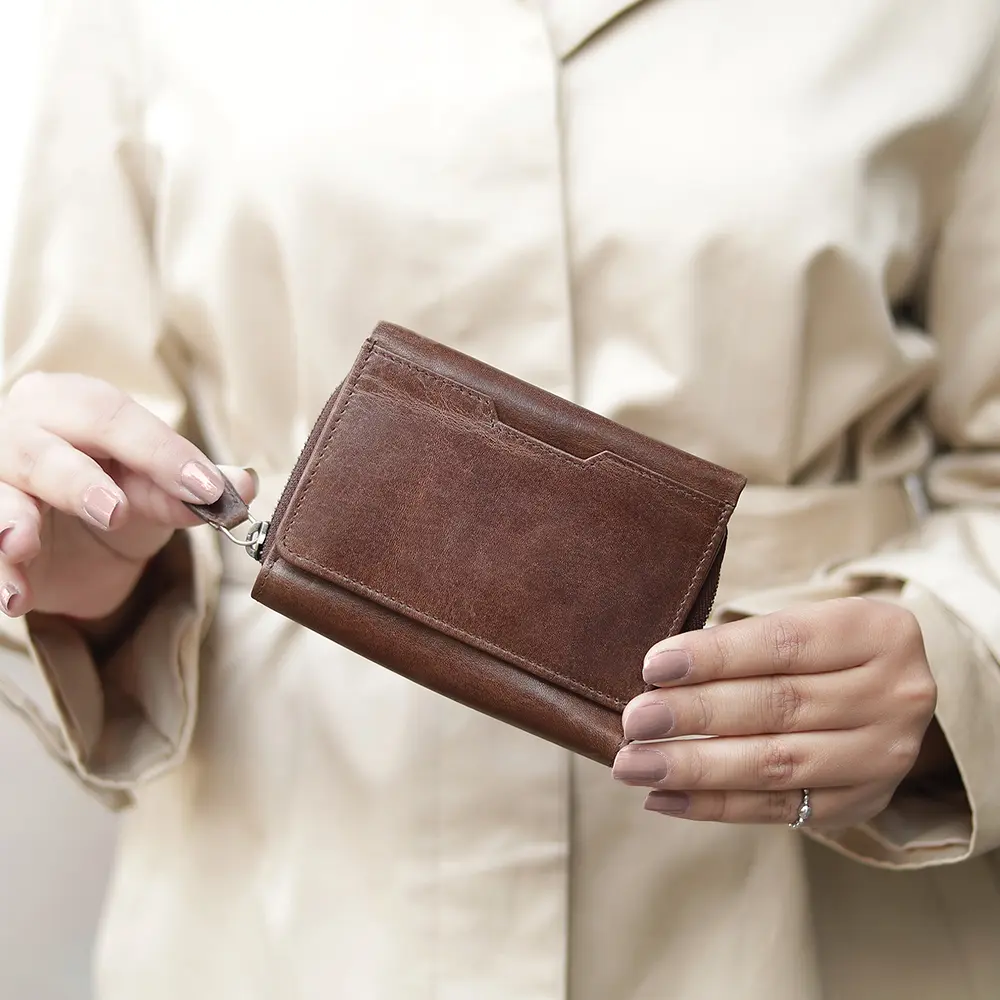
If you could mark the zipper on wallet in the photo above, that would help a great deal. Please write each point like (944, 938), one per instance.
(296, 474)
(254, 539)
(702, 609)
(229, 511)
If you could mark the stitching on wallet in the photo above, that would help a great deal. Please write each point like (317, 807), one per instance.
(549, 451)
(326, 444)
(568, 682)
(451, 384)
(706, 555)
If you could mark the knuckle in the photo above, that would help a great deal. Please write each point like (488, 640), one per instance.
(786, 641)
(716, 652)
(28, 388)
(901, 756)
(921, 693)
(115, 416)
(24, 452)
(894, 629)
(775, 766)
(697, 768)
(784, 704)
(715, 808)
(159, 448)
(779, 807)
(915, 692)
(107, 404)
(702, 713)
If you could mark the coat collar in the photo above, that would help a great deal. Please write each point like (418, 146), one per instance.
(574, 22)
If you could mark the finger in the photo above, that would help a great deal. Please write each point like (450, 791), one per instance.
(15, 592)
(826, 636)
(775, 704)
(44, 466)
(149, 501)
(830, 806)
(101, 420)
(20, 525)
(763, 763)
(154, 515)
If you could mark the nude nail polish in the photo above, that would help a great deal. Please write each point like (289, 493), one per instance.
(648, 722)
(665, 666)
(668, 803)
(100, 505)
(203, 483)
(640, 765)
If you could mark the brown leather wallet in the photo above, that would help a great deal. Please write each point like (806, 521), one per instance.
(491, 541)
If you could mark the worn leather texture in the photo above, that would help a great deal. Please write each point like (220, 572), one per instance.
(493, 542)
(227, 512)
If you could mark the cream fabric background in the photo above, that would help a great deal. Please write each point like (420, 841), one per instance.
(55, 843)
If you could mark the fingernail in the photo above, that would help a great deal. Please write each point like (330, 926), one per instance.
(668, 803)
(203, 483)
(4, 532)
(665, 665)
(648, 722)
(100, 505)
(252, 473)
(640, 764)
(8, 594)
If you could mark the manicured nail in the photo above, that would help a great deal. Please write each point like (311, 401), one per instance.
(641, 765)
(8, 595)
(203, 483)
(668, 803)
(100, 505)
(648, 722)
(4, 532)
(252, 473)
(665, 665)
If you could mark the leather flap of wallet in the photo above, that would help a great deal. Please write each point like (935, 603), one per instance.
(419, 497)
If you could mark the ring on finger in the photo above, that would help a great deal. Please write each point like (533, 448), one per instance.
(804, 813)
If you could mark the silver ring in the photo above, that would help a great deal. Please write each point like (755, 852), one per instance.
(805, 811)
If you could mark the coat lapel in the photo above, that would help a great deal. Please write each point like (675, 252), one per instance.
(573, 22)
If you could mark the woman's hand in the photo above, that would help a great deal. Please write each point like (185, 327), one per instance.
(91, 485)
(835, 697)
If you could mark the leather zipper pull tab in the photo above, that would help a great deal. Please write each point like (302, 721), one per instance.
(228, 512)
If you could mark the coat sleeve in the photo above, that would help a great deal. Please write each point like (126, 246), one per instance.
(81, 297)
(947, 573)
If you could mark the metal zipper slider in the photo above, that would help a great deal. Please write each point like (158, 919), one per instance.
(253, 542)
(228, 512)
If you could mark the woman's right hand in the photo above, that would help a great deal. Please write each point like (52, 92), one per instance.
(91, 485)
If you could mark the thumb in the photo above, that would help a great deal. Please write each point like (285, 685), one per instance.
(244, 480)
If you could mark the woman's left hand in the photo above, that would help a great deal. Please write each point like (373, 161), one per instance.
(835, 697)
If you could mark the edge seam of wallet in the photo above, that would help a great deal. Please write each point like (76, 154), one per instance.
(599, 738)
(710, 549)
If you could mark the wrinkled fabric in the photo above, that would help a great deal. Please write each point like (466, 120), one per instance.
(765, 231)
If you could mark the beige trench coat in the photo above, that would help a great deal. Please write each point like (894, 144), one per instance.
(703, 218)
